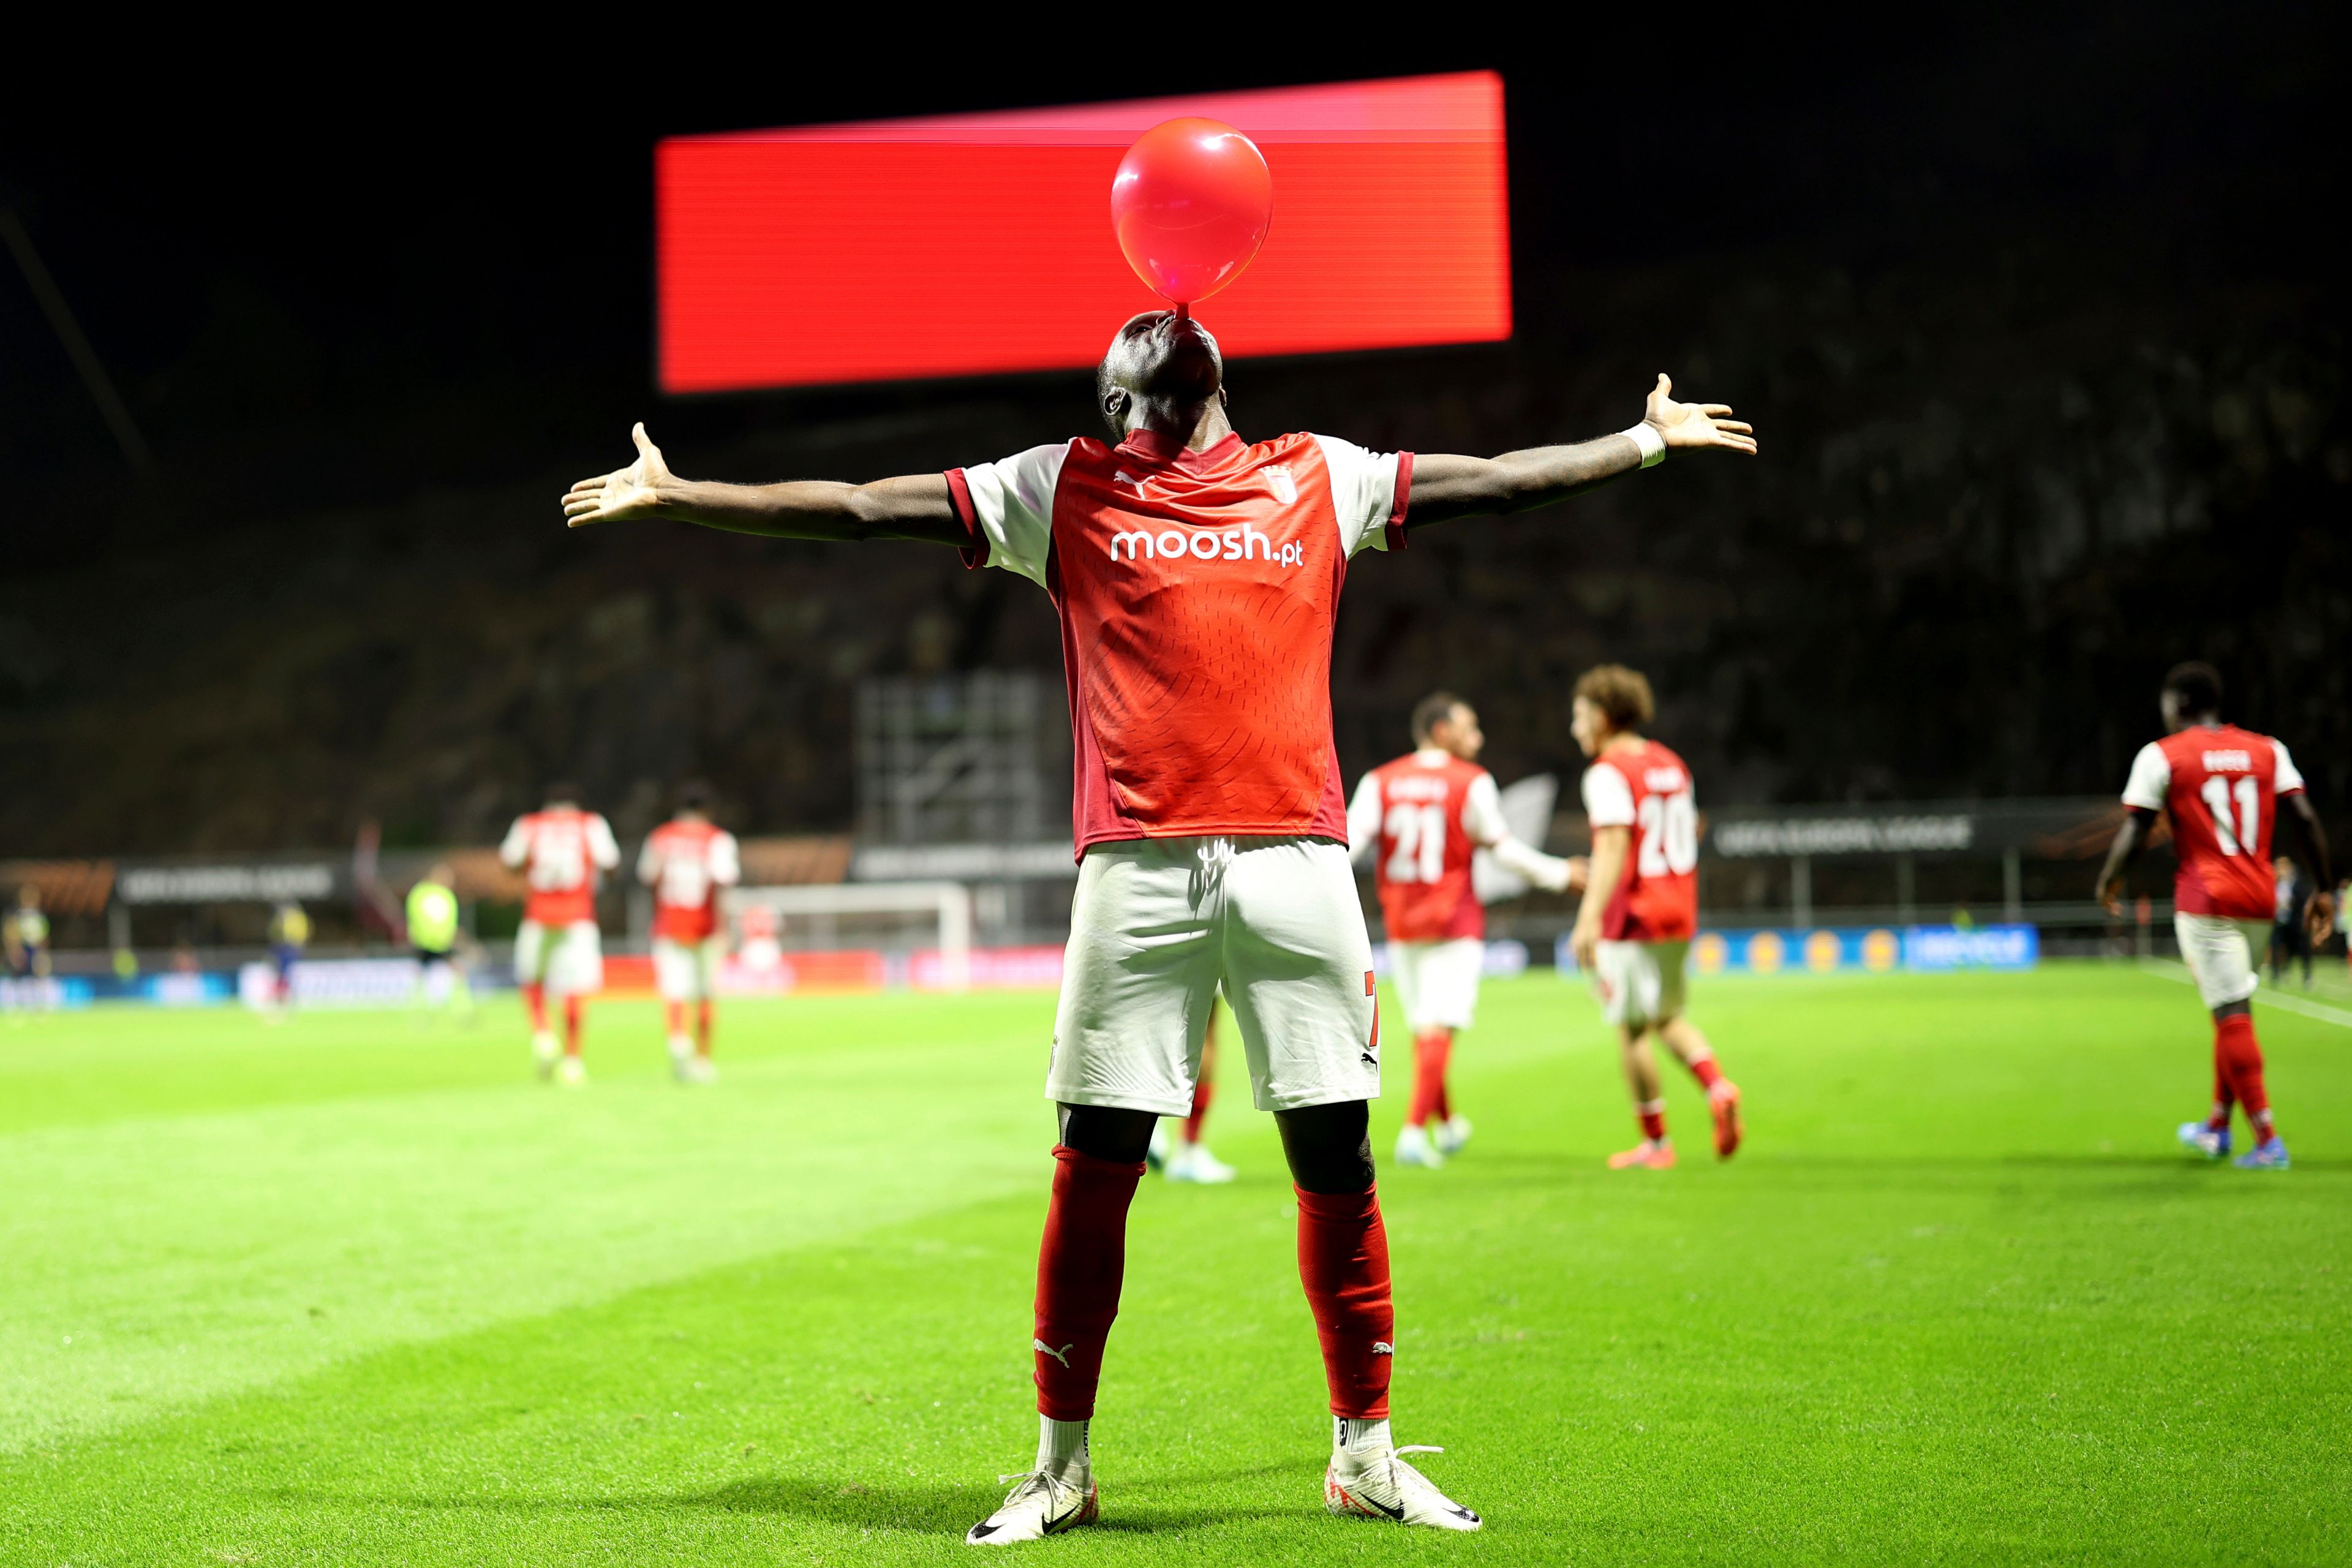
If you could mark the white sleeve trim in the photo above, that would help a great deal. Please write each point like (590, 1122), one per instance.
(1012, 502)
(1607, 799)
(650, 859)
(516, 850)
(726, 865)
(1364, 820)
(2151, 779)
(601, 846)
(1482, 814)
(1363, 493)
(2286, 779)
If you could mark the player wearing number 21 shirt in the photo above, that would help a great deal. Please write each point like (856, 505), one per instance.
(560, 850)
(1196, 577)
(685, 861)
(2223, 789)
(1418, 819)
(1633, 930)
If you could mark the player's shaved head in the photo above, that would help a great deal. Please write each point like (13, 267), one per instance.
(1432, 711)
(563, 792)
(1157, 357)
(694, 795)
(2193, 690)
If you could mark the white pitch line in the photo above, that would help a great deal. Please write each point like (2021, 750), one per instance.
(2171, 970)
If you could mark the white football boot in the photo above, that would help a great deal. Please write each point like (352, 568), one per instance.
(573, 1072)
(681, 1059)
(543, 1053)
(1451, 1134)
(1375, 1483)
(697, 1068)
(1413, 1148)
(1193, 1162)
(1041, 1503)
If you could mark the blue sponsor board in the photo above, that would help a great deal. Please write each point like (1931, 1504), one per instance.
(1868, 950)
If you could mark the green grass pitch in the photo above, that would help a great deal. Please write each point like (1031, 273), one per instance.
(345, 1291)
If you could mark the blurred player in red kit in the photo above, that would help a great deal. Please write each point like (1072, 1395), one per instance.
(685, 861)
(1633, 930)
(2222, 788)
(1196, 578)
(562, 851)
(1419, 818)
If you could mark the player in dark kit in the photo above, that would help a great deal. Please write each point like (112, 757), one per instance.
(2223, 787)
(1197, 580)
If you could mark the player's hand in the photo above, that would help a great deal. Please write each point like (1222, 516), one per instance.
(2320, 917)
(1585, 942)
(624, 493)
(1579, 873)
(1695, 423)
(2111, 896)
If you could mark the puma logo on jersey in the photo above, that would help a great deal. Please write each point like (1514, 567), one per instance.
(1242, 543)
(1124, 478)
(1062, 1355)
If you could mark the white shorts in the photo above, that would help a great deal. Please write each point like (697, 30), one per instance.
(2220, 953)
(1639, 983)
(1438, 981)
(1157, 924)
(683, 971)
(568, 960)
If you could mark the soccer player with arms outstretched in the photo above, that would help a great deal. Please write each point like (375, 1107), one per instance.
(1197, 579)
(685, 861)
(1419, 818)
(560, 850)
(2223, 787)
(1633, 930)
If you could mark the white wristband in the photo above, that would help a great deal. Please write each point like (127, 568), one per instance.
(1652, 444)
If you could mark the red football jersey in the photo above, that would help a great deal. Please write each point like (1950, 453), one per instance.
(1645, 787)
(687, 863)
(1197, 593)
(2220, 784)
(559, 854)
(1425, 841)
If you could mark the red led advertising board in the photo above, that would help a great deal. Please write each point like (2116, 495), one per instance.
(970, 244)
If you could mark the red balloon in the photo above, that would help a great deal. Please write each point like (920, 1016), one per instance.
(1192, 203)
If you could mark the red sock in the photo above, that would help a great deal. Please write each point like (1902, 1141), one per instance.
(2241, 1058)
(1343, 1261)
(702, 1025)
(1707, 1072)
(675, 1013)
(1431, 1051)
(1079, 1265)
(1652, 1113)
(534, 1001)
(1201, 1096)
(572, 1012)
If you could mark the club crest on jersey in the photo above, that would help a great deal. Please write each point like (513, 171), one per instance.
(1285, 487)
(1242, 543)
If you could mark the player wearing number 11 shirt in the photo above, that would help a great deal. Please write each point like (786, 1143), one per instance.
(2223, 788)
(1641, 906)
(1197, 578)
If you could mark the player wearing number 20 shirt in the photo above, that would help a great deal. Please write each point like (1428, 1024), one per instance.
(1640, 905)
(2224, 790)
(1196, 579)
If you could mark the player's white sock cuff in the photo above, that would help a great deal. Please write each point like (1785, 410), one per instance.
(1654, 446)
(1360, 1436)
(1062, 1445)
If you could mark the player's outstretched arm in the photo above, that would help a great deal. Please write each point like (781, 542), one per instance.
(2321, 914)
(2131, 842)
(915, 506)
(1445, 487)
